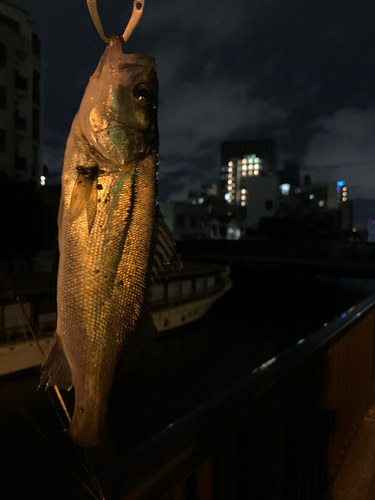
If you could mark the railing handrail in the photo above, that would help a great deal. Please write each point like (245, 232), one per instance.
(153, 468)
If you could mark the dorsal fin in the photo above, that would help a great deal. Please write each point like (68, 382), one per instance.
(82, 191)
(164, 255)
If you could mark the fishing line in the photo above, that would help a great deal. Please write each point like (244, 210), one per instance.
(32, 421)
(85, 463)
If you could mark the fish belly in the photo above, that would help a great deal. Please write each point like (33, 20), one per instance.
(101, 285)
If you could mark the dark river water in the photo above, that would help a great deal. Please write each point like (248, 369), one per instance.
(264, 313)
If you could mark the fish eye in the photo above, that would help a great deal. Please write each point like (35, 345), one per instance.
(141, 93)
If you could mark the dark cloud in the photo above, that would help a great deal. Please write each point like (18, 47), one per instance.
(294, 70)
(343, 146)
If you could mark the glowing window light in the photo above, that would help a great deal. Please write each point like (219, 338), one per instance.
(256, 172)
(230, 169)
(243, 197)
(345, 198)
(227, 196)
(321, 203)
(229, 181)
(243, 203)
(251, 160)
(250, 172)
(243, 191)
(244, 174)
(244, 160)
(229, 188)
(230, 164)
(311, 196)
(42, 178)
(256, 165)
(42, 183)
(230, 176)
(345, 188)
(285, 189)
(243, 167)
(256, 160)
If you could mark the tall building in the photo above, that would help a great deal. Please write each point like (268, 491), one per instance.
(235, 152)
(20, 103)
(239, 173)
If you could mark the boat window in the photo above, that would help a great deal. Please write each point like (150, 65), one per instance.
(187, 287)
(200, 284)
(14, 316)
(157, 292)
(173, 289)
(210, 282)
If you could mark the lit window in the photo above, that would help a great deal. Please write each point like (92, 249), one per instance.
(250, 172)
(230, 176)
(229, 188)
(243, 197)
(227, 196)
(311, 196)
(230, 164)
(243, 167)
(243, 191)
(256, 165)
(244, 160)
(321, 203)
(256, 160)
(244, 173)
(230, 169)
(256, 172)
(243, 203)
(354, 229)
(345, 188)
(42, 183)
(285, 189)
(230, 181)
(250, 160)
(345, 198)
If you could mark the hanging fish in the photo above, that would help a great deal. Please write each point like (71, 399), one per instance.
(112, 237)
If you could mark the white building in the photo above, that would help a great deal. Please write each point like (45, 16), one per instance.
(20, 73)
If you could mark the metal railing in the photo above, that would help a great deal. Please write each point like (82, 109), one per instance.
(281, 248)
(282, 432)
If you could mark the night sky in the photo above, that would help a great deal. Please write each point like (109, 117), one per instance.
(300, 71)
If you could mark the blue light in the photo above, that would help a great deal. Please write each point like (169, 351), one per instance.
(340, 183)
(344, 315)
(227, 196)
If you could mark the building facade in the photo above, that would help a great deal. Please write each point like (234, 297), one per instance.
(20, 100)
(235, 151)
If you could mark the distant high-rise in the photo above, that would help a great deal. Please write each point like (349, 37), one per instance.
(235, 151)
(264, 148)
(20, 103)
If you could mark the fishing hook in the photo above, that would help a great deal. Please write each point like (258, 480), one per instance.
(138, 6)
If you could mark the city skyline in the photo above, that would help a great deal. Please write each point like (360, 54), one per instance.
(300, 74)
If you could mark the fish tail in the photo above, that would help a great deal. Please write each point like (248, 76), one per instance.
(88, 422)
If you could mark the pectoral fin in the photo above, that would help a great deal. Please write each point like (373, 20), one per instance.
(82, 192)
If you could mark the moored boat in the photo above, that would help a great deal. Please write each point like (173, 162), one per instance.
(177, 299)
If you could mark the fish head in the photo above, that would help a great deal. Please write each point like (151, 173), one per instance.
(118, 113)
